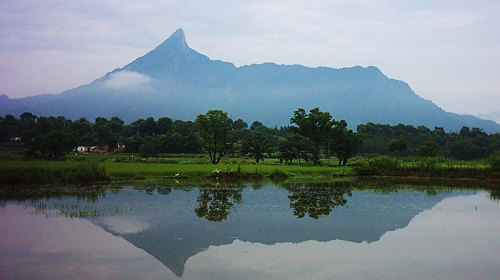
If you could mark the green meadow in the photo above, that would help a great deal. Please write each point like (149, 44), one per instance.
(87, 169)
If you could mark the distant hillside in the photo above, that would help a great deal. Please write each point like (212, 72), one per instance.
(494, 116)
(174, 80)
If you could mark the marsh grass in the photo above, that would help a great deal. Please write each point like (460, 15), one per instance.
(88, 169)
(438, 167)
(51, 172)
(182, 170)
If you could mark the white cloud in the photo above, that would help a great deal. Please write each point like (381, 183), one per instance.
(126, 225)
(131, 80)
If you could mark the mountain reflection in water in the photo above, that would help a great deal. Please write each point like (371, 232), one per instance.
(174, 224)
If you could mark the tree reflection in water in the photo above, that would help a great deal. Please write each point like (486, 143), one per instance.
(215, 202)
(316, 199)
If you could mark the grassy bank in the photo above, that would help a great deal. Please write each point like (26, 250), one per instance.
(93, 169)
(434, 167)
(51, 172)
(243, 171)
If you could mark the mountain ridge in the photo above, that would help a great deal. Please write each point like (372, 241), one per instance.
(176, 81)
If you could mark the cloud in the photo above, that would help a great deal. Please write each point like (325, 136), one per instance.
(126, 225)
(128, 80)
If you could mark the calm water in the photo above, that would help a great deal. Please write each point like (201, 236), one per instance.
(251, 232)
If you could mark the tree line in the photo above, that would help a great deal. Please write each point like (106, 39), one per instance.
(407, 140)
(310, 136)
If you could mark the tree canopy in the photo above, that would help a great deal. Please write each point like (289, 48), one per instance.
(217, 133)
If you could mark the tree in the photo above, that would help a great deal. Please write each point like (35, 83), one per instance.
(255, 125)
(132, 143)
(397, 146)
(345, 142)
(428, 149)
(217, 133)
(239, 124)
(295, 146)
(215, 202)
(164, 125)
(183, 138)
(151, 146)
(57, 143)
(256, 144)
(31, 140)
(316, 200)
(316, 126)
(105, 136)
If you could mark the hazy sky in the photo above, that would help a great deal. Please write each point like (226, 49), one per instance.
(447, 51)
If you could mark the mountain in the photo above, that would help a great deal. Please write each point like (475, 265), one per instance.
(494, 116)
(176, 81)
(167, 227)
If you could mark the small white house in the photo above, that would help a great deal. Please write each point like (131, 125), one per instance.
(85, 149)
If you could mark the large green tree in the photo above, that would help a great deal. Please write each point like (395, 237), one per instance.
(217, 133)
(256, 144)
(315, 125)
(57, 143)
(346, 143)
(397, 146)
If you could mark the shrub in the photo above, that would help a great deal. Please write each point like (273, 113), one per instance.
(495, 163)
(277, 174)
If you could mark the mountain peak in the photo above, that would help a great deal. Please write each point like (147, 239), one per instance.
(176, 40)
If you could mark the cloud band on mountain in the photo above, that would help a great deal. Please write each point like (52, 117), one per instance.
(128, 80)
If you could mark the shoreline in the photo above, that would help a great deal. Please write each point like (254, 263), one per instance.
(87, 173)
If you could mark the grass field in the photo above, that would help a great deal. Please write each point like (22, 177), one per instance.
(134, 170)
(91, 168)
(50, 172)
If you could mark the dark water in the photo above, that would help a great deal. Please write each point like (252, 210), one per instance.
(265, 231)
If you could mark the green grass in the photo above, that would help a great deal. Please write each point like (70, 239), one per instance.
(182, 170)
(438, 167)
(50, 172)
(92, 168)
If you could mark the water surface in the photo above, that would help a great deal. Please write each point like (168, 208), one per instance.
(260, 231)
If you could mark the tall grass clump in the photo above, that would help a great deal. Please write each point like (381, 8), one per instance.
(277, 174)
(495, 164)
(90, 172)
(47, 172)
(377, 165)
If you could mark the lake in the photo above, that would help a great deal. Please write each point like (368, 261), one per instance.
(250, 231)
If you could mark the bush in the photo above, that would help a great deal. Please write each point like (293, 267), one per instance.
(384, 163)
(376, 165)
(277, 174)
(495, 164)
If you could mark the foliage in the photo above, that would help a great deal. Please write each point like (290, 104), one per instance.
(397, 146)
(51, 173)
(346, 142)
(316, 125)
(256, 144)
(495, 164)
(217, 133)
(57, 143)
(215, 202)
(316, 200)
(313, 136)
(467, 144)
(428, 149)
(295, 146)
